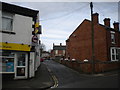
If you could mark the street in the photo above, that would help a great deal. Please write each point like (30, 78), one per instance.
(68, 78)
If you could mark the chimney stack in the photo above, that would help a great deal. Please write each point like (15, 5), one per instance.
(95, 18)
(60, 44)
(107, 22)
(116, 26)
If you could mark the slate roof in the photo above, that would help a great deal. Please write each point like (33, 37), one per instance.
(18, 9)
(58, 47)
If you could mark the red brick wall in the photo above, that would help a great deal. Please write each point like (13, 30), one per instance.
(80, 43)
(60, 53)
(87, 67)
(79, 47)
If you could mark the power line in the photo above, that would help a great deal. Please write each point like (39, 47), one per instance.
(71, 12)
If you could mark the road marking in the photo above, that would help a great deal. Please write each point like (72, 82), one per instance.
(54, 79)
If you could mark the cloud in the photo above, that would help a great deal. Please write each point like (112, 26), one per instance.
(61, 19)
(61, 0)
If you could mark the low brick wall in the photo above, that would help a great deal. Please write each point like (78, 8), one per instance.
(86, 67)
(106, 66)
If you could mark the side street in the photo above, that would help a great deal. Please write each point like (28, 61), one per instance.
(50, 45)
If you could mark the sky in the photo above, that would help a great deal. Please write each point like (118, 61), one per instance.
(60, 19)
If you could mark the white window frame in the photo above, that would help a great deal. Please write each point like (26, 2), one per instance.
(112, 37)
(9, 16)
(63, 52)
(115, 54)
(56, 52)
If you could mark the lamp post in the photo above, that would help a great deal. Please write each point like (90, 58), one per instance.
(92, 35)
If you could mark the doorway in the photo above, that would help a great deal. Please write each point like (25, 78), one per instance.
(21, 64)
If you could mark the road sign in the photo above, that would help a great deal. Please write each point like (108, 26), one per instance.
(35, 39)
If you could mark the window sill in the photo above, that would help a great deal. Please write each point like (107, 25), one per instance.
(113, 42)
(114, 60)
(7, 32)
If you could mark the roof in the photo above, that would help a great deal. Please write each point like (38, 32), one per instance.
(58, 47)
(106, 27)
(19, 10)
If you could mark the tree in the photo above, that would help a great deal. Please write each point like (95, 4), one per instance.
(42, 48)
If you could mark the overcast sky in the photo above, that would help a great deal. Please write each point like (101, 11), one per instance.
(60, 19)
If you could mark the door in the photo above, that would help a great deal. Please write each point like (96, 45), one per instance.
(21, 70)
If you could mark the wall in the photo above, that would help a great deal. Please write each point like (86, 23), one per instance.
(79, 45)
(86, 67)
(22, 26)
(0, 25)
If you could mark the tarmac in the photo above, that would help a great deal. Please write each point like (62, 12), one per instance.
(43, 80)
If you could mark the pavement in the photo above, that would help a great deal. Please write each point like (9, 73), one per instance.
(42, 80)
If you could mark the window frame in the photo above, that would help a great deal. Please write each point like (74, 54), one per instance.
(9, 16)
(112, 37)
(115, 53)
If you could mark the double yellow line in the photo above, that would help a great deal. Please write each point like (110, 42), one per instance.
(54, 79)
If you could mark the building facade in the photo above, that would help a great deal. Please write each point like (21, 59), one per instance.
(58, 51)
(106, 42)
(19, 47)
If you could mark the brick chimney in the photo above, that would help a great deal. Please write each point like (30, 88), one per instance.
(107, 22)
(116, 26)
(95, 18)
(60, 44)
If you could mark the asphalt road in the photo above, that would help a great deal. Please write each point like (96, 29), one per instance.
(68, 78)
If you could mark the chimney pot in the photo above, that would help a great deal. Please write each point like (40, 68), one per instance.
(107, 22)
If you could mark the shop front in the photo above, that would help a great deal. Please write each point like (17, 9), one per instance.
(14, 60)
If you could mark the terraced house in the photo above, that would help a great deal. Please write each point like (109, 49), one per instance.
(106, 44)
(19, 47)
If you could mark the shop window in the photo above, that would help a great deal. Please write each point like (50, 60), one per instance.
(7, 61)
(7, 21)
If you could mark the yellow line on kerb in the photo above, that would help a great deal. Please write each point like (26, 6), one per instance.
(56, 81)
(54, 78)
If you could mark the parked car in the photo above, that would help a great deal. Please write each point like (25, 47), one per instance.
(41, 60)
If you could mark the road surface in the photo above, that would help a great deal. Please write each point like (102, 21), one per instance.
(68, 78)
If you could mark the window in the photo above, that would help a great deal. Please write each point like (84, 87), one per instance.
(56, 52)
(63, 52)
(114, 54)
(112, 37)
(7, 62)
(7, 21)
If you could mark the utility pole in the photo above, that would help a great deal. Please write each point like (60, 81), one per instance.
(92, 35)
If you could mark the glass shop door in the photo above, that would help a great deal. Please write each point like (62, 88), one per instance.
(21, 70)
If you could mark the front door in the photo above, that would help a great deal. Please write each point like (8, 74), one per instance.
(21, 60)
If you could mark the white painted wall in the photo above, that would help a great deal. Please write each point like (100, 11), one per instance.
(0, 26)
(22, 26)
(37, 57)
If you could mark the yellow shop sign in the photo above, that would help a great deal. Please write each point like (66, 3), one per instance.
(14, 46)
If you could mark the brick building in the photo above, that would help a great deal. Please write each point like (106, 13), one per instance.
(106, 44)
(58, 51)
